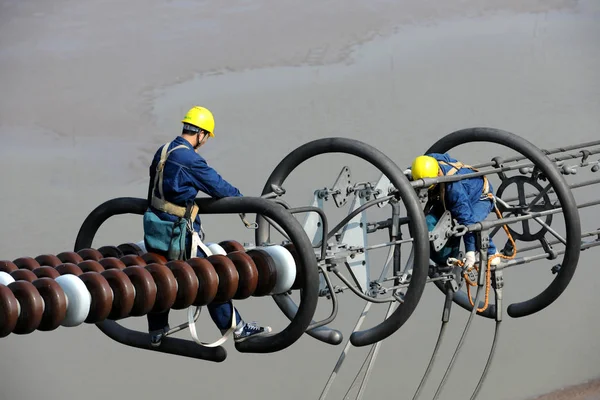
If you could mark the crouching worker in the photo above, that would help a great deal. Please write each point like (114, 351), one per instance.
(171, 224)
(469, 201)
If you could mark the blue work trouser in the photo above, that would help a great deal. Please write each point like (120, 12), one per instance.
(481, 209)
(219, 312)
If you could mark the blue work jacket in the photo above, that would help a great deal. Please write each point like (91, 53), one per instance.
(185, 174)
(460, 195)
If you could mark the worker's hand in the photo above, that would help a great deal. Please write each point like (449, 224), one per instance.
(469, 260)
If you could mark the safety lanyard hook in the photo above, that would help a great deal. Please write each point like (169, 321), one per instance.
(246, 223)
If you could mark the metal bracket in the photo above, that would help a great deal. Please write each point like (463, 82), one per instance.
(382, 189)
(355, 235)
(341, 187)
(314, 229)
(548, 249)
(439, 234)
(472, 274)
(485, 241)
(457, 281)
(498, 162)
(498, 282)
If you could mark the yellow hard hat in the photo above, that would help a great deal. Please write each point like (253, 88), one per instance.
(202, 118)
(424, 167)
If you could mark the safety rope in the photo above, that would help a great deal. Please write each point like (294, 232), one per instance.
(488, 277)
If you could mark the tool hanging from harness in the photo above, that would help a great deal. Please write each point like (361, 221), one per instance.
(170, 237)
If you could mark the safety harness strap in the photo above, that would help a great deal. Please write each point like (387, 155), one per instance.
(197, 242)
(191, 312)
(159, 202)
(458, 165)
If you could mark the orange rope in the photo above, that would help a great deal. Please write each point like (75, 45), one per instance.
(489, 265)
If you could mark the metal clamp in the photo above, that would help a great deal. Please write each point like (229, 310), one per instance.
(459, 230)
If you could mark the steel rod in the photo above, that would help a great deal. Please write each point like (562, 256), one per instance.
(386, 244)
(547, 152)
(553, 242)
(573, 186)
(460, 343)
(344, 353)
(489, 360)
(445, 319)
(485, 225)
(278, 228)
(426, 182)
(363, 384)
(529, 259)
(360, 294)
(334, 308)
(353, 214)
(550, 230)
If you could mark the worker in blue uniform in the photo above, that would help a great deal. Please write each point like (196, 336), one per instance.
(469, 201)
(177, 174)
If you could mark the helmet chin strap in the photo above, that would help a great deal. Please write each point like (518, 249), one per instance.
(197, 141)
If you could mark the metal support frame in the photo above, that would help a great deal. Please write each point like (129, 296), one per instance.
(318, 254)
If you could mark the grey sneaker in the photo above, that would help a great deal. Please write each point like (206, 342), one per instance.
(157, 336)
(249, 330)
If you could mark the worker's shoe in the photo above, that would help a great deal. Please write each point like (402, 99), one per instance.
(157, 336)
(249, 330)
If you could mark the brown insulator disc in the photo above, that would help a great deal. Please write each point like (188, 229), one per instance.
(247, 272)
(187, 284)
(9, 311)
(90, 254)
(228, 277)
(7, 266)
(102, 296)
(123, 292)
(231, 245)
(46, 272)
(267, 271)
(26, 263)
(110, 251)
(208, 280)
(131, 248)
(69, 268)
(166, 286)
(55, 303)
(299, 275)
(23, 275)
(91, 266)
(112, 263)
(69, 257)
(48, 259)
(133, 260)
(151, 258)
(32, 306)
(145, 290)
